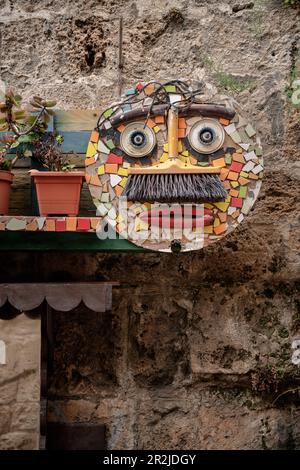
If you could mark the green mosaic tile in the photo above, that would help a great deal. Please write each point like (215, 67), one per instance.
(170, 88)
(101, 210)
(250, 130)
(108, 113)
(105, 197)
(110, 144)
(243, 191)
(130, 91)
(236, 137)
(246, 207)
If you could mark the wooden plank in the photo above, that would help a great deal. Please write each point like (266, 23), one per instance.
(62, 241)
(76, 142)
(75, 126)
(23, 162)
(76, 120)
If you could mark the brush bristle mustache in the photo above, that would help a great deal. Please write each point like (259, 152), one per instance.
(170, 188)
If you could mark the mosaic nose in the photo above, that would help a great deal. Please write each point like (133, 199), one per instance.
(173, 132)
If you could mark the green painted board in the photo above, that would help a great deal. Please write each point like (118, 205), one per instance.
(62, 241)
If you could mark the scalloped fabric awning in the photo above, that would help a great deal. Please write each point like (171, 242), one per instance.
(96, 296)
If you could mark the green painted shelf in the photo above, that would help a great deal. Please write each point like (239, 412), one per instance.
(58, 241)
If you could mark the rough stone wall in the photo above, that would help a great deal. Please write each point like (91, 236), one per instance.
(20, 383)
(197, 348)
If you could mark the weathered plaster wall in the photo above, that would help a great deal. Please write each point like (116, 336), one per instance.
(20, 383)
(198, 345)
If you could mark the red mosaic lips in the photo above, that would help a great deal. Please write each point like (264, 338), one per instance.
(178, 217)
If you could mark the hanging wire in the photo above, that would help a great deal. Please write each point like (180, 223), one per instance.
(157, 97)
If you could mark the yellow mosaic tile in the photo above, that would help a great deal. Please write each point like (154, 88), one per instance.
(123, 171)
(91, 150)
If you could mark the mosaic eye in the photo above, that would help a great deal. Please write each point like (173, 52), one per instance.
(137, 140)
(206, 136)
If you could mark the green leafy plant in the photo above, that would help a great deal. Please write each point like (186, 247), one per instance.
(226, 81)
(291, 2)
(47, 152)
(24, 126)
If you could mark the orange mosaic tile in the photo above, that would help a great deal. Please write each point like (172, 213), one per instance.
(193, 160)
(233, 176)
(242, 181)
(111, 168)
(94, 136)
(220, 229)
(159, 119)
(222, 216)
(238, 157)
(181, 123)
(224, 122)
(181, 133)
(234, 192)
(94, 222)
(71, 224)
(149, 89)
(223, 174)
(32, 226)
(95, 180)
(219, 162)
(89, 161)
(121, 127)
(235, 214)
(50, 225)
(252, 176)
(118, 190)
(151, 123)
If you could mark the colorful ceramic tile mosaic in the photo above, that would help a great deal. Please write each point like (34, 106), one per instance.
(206, 157)
(50, 224)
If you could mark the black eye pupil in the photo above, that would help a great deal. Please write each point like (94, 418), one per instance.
(138, 139)
(206, 136)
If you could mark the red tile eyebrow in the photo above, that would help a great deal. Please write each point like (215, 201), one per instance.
(206, 110)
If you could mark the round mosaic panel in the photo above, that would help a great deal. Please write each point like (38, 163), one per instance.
(169, 170)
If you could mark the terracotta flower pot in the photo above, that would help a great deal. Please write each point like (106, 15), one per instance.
(6, 178)
(58, 192)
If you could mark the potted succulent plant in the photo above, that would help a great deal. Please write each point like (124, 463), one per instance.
(58, 188)
(24, 127)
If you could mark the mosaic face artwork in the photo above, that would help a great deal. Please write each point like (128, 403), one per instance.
(170, 171)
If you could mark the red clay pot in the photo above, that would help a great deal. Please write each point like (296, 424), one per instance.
(6, 178)
(58, 192)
